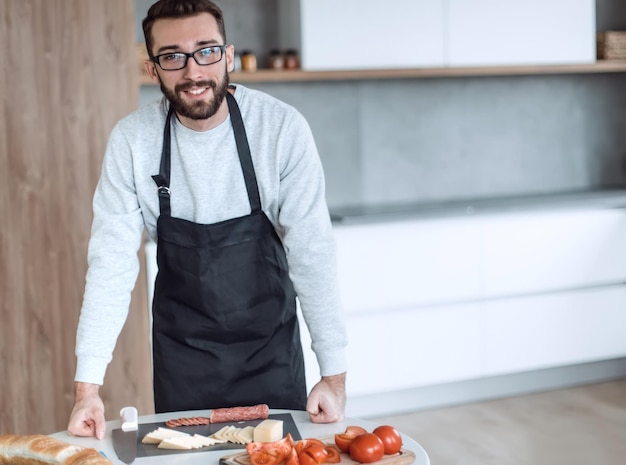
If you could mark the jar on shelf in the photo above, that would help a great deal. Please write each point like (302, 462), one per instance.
(275, 60)
(248, 61)
(292, 61)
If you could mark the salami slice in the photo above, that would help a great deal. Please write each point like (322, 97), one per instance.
(232, 414)
(192, 421)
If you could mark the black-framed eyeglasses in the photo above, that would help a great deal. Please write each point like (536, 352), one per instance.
(173, 61)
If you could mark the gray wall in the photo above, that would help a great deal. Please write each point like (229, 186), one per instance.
(431, 140)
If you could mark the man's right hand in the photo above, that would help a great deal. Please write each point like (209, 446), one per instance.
(87, 418)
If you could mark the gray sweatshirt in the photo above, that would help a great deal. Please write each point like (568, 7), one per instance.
(207, 187)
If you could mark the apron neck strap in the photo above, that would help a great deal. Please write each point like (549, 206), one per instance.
(162, 179)
(245, 158)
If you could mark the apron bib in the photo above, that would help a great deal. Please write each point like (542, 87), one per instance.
(225, 329)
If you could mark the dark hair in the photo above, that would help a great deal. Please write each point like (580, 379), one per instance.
(180, 9)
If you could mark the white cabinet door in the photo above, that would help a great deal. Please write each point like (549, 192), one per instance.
(390, 351)
(364, 34)
(555, 250)
(514, 32)
(554, 330)
(405, 264)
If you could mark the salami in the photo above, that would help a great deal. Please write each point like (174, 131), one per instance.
(231, 414)
(190, 421)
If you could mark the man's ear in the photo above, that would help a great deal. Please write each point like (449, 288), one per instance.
(151, 70)
(230, 58)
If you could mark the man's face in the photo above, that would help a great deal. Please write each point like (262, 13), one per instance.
(195, 92)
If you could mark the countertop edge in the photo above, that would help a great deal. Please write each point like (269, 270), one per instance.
(596, 199)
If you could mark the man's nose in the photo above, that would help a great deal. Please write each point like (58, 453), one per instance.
(192, 68)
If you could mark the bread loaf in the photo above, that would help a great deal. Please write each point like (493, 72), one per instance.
(44, 450)
(87, 457)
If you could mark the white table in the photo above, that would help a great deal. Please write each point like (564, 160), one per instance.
(306, 428)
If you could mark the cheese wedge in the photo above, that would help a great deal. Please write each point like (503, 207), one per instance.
(269, 430)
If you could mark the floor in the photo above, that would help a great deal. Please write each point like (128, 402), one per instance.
(577, 426)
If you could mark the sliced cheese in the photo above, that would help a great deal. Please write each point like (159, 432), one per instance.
(178, 440)
(178, 443)
(195, 443)
(269, 430)
(207, 441)
(246, 435)
(222, 433)
(229, 434)
(158, 435)
(170, 433)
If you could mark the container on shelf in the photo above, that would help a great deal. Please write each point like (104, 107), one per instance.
(275, 60)
(248, 61)
(292, 61)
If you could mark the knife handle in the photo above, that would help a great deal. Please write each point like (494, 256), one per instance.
(129, 418)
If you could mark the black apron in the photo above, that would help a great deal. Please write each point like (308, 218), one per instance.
(225, 330)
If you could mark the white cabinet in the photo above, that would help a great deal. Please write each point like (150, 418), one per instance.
(555, 250)
(369, 34)
(513, 32)
(448, 299)
(389, 266)
(413, 347)
(401, 349)
(363, 34)
(542, 331)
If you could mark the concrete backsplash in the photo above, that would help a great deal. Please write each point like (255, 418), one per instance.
(430, 140)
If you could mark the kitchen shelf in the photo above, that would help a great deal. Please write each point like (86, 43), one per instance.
(608, 66)
(266, 75)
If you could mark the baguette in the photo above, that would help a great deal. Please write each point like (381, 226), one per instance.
(44, 450)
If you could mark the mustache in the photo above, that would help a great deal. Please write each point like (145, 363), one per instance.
(188, 85)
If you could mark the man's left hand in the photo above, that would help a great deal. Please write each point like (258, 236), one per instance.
(327, 400)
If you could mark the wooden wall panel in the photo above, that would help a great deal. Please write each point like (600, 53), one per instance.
(67, 74)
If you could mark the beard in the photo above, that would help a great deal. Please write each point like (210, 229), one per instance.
(197, 110)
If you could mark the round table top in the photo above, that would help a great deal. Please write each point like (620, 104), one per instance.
(306, 428)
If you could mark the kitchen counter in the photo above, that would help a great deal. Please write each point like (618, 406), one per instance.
(306, 428)
(597, 199)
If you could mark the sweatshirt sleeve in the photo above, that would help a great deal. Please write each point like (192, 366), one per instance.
(113, 263)
(307, 234)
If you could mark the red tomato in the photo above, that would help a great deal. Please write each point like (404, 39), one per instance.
(292, 459)
(304, 443)
(334, 456)
(253, 447)
(270, 453)
(285, 444)
(343, 441)
(367, 448)
(355, 430)
(306, 459)
(318, 452)
(391, 438)
(262, 457)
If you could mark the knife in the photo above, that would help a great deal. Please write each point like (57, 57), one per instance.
(125, 438)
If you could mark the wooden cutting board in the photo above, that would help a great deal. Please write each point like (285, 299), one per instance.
(404, 457)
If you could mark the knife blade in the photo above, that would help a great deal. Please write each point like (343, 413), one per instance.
(125, 438)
